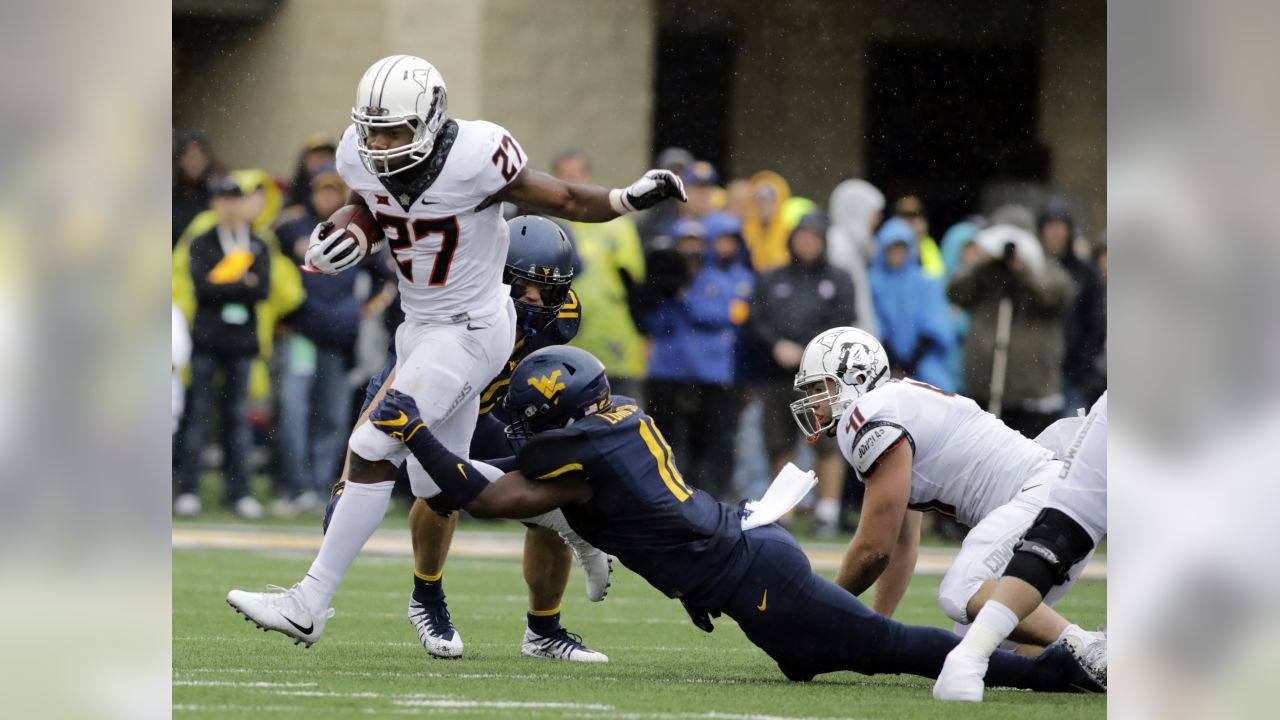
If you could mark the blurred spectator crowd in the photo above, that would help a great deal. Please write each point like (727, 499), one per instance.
(699, 310)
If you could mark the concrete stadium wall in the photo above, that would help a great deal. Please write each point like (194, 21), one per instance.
(557, 73)
(573, 73)
(799, 93)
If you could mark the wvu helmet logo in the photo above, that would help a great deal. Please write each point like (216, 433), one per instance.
(548, 386)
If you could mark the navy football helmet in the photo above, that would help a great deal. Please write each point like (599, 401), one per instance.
(552, 388)
(541, 253)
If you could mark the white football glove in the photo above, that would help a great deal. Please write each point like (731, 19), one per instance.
(651, 189)
(330, 254)
(785, 492)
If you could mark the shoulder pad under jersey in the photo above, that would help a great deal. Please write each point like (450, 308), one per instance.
(552, 454)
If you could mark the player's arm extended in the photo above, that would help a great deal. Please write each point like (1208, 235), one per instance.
(515, 496)
(893, 582)
(883, 509)
(462, 485)
(539, 191)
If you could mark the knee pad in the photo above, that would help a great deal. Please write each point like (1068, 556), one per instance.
(1048, 550)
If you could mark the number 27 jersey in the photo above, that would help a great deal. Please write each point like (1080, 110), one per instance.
(449, 256)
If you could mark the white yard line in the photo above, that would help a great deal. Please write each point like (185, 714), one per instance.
(499, 546)
(425, 707)
(250, 710)
(539, 677)
(232, 683)
(450, 702)
(502, 704)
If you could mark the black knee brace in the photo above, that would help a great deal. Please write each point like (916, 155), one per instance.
(1052, 544)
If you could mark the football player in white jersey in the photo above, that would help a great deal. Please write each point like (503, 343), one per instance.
(435, 185)
(919, 448)
(1068, 528)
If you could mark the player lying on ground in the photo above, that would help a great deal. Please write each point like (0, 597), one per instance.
(606, 465)
(540, 272)
(919, 448)
(1073, 521)
(435, 185)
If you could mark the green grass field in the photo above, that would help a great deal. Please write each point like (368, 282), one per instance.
(370, 664)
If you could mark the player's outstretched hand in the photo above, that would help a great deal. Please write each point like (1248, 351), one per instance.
(397, 415)
(701, 617)
(329, 253)
(651, 189)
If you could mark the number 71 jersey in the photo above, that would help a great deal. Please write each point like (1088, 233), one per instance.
(965, 462)
(449, 256)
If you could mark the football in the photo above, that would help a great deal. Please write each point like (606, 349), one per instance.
(360, 223)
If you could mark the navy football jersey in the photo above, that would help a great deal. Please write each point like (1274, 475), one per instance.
(675, 536)
(558, 332)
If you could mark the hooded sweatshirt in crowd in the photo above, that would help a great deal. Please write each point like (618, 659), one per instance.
(850, 247)
(767, 241)
(915, 326)
(954, 242)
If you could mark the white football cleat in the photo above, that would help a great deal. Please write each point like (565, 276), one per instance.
(961, 677)
(597, 567)
(435, 629)
(561, 645)
(281, 610)
(1092, 655)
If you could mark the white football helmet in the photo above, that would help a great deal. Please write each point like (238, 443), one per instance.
(400, 89)
(853, 363)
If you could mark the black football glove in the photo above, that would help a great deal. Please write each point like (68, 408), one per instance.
(439, 506)
(651, 189)
(701, 617)
(397, 415)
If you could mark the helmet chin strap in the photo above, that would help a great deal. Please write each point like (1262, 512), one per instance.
(875, 380)
(869, 384)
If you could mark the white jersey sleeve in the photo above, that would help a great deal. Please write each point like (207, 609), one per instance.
(870, 428)
(493, 156)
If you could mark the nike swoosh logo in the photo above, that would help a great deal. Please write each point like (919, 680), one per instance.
(462, 470)
(393, 423)
(1030, 487)
(429, 202)
(764, 602)
(473, 328)
(304, 630)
